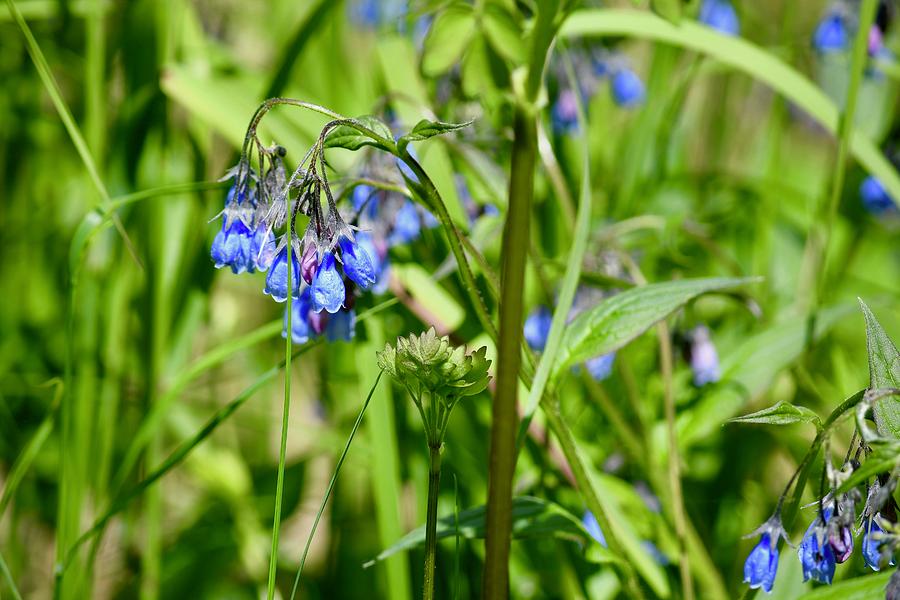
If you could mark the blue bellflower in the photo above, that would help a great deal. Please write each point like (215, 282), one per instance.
(870, 546)
(874, 197)
(600, 367)
(831, 34)
(231, 247)
(327, 287)
(365, 200)
(761, 565)
(721, 16)
(341, 326)
(627, 88)
(277, 277)
(262, 247)
(815, 552)
(357, 263)
(537, 328)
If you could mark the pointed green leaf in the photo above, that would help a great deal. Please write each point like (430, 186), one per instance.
(884, 372)
(619, 319)
(531, 517)
(351, 138)
(447, 39)
(425, 129)
(783, 413)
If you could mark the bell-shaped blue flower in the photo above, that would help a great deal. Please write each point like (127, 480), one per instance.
(564, 114)
(871, 550)
(277, 277)
(762, 563)
(537, 328)
(600, 367)
(407, 225)
(262, 247)
(816, 555)
(627, 88)
(301, 332)
(593, 527)
(831, 34)
(720, 15)
(357, 263)
(232, 246)
(341, 326)
(874, 197)
(327, 287)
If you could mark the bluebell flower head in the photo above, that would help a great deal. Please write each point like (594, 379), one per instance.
(341, 326)
(720, 15)
(816, 555)
(407, 225)
(262, 247)
(232, 246)
(874, 197)
(600, 367)
(871, 550)
(537, 327)
(277, 277)
(301, 332)
(357, 263)
(328, 290)
(704, 358)
(831, 34)
(593, 527)
(761, 565)
(564, 114)
(627, 88)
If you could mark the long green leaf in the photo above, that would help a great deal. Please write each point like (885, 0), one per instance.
(621, 318)
(884, 372)
(742, 55)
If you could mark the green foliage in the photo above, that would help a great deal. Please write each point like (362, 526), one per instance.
(783, 413)
(884, 372)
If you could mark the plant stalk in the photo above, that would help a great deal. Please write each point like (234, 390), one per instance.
(434, 489)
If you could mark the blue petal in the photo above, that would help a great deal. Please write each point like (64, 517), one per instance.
(816, 555)
(327, 287)
(870, 547)
(300, 329)
(380, 264)
(262, 247)
(537, 327)
(627, 88)
(874, 197)
(218, 249)
(720, 15)
(593, 527)
(277, 277)
(341, 326)
(762, 564)
(831, 34)
(357, 264)
(601, 366)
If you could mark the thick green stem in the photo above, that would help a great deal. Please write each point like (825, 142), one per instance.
(434, 489)
(509, 358)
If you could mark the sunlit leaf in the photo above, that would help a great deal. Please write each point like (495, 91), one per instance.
(783, 413)
(884, 372)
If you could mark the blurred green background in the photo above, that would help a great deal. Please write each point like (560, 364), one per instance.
(713, 175)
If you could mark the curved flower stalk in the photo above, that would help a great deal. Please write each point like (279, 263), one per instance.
(436, 375)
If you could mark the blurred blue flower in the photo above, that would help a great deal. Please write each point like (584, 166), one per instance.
(627, 88)
(816, 555)
(762, 563)
(380, 261)
(407, 225)
(328, 291)
(357, 263)
(657, 554)
(831, 34)
(301, 332)
(704, 358)
(364, 198)
(593, 527)
(870, 546)
(601, 366)
(564, 114)
(277, 277)
(341, 326)
(720, 15)
(874, 197)
(537, 327)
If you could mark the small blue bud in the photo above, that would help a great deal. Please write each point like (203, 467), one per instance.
(831, 34)
(720, 15)
(327, 287)
(593, 527)
(341, 326)
(874, 197)
(870, 546)
(365, 13)
(537, 328)
(357, 263)
(600, 367)
(407, 225)
(816, 555)
(627, 88)
(277, 277)
(762, 563)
